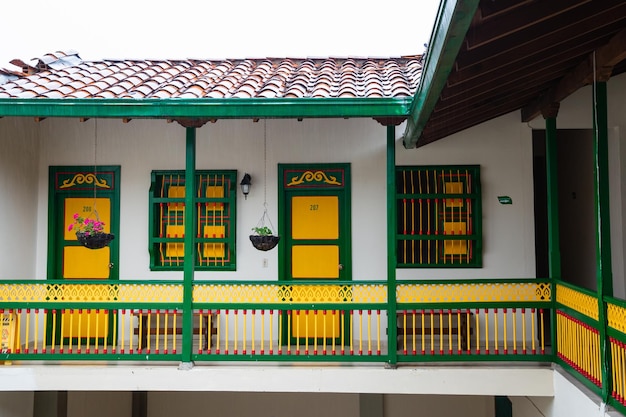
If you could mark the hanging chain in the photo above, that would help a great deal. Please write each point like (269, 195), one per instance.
(95, 167)
(265, 215)
(265, 163)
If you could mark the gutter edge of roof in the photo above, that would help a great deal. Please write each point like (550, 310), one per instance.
(451, 25)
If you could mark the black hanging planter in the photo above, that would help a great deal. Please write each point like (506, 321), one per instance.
(264, 242)
(94, 240)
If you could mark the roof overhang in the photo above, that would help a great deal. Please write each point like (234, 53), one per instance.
(451, 24)
(489, 58)
(241, 108)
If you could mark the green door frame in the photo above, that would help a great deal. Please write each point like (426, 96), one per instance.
(314, 179)
(78, 181)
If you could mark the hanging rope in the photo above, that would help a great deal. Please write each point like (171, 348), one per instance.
(261, 223)
(95, 168)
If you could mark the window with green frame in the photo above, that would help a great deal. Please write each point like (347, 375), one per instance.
(214, 212)
(438, 216)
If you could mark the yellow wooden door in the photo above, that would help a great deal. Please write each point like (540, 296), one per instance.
(94, 196)
(316, 245)
(315, 255)
(78, 262)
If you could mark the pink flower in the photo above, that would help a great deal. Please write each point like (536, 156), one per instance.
(75, 216)
(69, 229)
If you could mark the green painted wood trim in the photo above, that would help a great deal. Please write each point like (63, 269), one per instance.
(604, 275)
(451, 25)
(158, 176)
(391, 246)
(554, 245)
(238, 108)
(190, 227)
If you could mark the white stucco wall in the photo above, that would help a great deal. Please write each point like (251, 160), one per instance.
(19, 178)
(502, 148)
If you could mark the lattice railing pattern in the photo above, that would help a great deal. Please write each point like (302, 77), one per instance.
(277, 294)
(442, 292)
(578, 301)
(616, 317)
(91, 293)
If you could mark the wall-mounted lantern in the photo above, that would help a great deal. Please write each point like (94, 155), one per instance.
(245, 185)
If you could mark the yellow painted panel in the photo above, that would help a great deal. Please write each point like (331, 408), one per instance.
(84, 207)
(176, 191)
(214, 231)
(83, 324)
(454, 228)
(214, 250)
(315, 217)
(455, 247)
(175, 250)
(173, 231)
(454, 188)
(214, 191)
(315, 261)
(301, 318)
(80, 262)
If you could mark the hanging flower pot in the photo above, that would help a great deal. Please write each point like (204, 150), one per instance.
(264, 242)
(94, 240)
(90, 233)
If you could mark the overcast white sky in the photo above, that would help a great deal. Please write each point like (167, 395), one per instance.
(215, 29)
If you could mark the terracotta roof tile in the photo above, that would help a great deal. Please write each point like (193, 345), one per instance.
(64, 74)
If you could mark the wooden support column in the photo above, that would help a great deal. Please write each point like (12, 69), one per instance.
(604, 273)
(554, 246)
(190, 227)
(552, 173)
(391, 247)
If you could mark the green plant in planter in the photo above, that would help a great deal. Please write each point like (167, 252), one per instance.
(263, 239)
(262, 231)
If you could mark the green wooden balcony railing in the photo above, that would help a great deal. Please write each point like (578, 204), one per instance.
(434, 321)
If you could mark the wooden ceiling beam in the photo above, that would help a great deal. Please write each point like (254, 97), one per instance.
(518, 16)
(501, 104)
(524, 46)
(561, 59)
(529, 77)
(602, 60)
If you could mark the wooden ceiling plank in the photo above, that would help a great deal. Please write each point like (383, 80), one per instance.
(494, 9)
(577, 24)
(606, 58)
(573, 43)
(508, 81)
(561, 59)
(501, 104)
(518, 18)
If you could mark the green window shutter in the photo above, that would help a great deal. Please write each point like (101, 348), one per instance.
(439, 216)
(215, 215)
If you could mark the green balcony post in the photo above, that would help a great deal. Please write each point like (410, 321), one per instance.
(604, 273)
(391, 246)
(190, 227)
(554, 246)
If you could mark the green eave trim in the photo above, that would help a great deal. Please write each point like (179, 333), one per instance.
(453, 20)
(233, 108)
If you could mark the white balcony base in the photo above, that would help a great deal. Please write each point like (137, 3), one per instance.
(511, 380)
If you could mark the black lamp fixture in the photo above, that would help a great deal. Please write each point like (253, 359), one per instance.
(245, 185)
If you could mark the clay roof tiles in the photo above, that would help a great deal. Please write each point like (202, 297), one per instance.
(65, 75)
